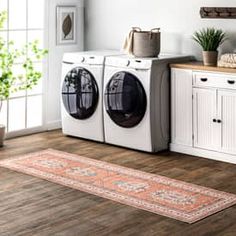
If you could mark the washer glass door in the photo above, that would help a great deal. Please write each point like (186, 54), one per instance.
(125, 99)
(80, 93)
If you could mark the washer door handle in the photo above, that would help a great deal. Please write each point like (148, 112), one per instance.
(128, 63)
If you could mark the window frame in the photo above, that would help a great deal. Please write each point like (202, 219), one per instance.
(44, 62)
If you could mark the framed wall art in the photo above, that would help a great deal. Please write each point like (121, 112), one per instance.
(66, 25)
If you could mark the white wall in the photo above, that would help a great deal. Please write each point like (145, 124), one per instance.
(107, 22)
(53, 72)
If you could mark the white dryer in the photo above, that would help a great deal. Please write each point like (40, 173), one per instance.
(136, 101)
(81, 94)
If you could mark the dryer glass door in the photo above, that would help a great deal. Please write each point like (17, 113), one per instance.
(80, 93)
(125, 99)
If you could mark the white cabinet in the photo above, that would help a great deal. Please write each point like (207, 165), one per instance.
(227, 115)
(203, 117)
(206, 128)
(181, 107)
(214, 115)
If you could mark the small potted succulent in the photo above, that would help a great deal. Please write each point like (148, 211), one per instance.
(10, 82)
(210, 39)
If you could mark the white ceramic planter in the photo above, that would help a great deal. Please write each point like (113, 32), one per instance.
(2, 134)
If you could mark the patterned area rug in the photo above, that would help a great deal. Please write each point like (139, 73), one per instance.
(161, 195)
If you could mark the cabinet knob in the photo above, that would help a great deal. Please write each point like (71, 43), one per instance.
(203, 79)
(214, 120)
(219, 121)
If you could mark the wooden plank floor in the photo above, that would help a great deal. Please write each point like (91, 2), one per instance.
(31, 206)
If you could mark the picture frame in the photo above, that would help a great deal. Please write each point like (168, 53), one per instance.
(66, 25)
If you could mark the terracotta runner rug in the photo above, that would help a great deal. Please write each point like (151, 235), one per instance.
(161, 195)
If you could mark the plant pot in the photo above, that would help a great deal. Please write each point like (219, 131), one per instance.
(210, 58)
(2, 135)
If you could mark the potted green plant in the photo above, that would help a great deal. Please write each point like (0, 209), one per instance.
(9, 82)
(210, 39)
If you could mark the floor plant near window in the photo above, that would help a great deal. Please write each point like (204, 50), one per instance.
(10, 82)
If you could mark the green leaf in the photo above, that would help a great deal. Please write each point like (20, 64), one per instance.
(10, 82)
(210, 38)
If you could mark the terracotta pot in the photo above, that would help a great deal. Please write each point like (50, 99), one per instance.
(2, 135)
(210, 58)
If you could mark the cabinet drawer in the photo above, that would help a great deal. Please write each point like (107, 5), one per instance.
(214, 80)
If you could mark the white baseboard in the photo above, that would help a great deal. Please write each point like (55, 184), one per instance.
(49, 126)
(203, 153)
(24, 132)
(52, 125)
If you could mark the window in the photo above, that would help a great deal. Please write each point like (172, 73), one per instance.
(25, 23)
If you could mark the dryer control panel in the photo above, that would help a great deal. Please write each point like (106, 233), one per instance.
(75, 58)
(129, 62)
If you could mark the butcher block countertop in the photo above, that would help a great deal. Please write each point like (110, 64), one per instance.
(199, 66)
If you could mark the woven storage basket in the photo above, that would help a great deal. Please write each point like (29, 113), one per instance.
(146, 43)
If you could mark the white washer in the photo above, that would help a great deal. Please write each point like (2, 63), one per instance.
(81, 94)
(136, 101)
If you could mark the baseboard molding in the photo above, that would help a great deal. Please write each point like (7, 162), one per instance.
(52, 125)
(49, 126)
(24, 132)
(203, 153)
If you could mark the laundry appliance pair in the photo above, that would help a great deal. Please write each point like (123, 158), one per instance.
(118, 99)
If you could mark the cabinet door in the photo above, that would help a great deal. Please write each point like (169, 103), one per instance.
(206, 131)
(227, 115)
(181, 107)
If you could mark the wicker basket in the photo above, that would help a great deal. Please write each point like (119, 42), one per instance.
(146, 43)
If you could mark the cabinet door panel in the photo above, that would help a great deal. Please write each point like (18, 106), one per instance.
(206, 132)
(181, 107)
(227, 114)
